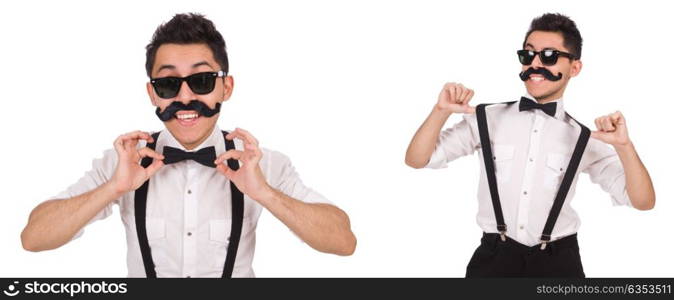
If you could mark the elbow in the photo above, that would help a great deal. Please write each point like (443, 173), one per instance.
(347, 240)
(644, 206)
(35, 242)
(344, 246)
(644, 203)
(414, 163)
(348, 247)
(334, 237)
(28, 242)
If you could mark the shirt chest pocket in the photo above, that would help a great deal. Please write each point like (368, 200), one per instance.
(503, 162)
(555, 168)
(156, 237)
(218, 235)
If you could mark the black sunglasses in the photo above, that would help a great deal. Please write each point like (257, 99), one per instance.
(200, 83)
(548, 56)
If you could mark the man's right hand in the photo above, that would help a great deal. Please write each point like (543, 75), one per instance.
(454, 98)
(129, 174)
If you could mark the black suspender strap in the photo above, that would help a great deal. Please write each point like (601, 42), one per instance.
(237, 215)
(566, 183)
(140, 204)
(488, 158)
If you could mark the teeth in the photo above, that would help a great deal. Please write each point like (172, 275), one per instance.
(536, 78)
(187, 116)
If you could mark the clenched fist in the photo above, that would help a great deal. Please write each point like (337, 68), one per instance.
(454, 98)
(611, 129)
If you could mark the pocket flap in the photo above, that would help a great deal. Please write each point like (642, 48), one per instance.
(219, 230)
(503, 152)
(557, 162)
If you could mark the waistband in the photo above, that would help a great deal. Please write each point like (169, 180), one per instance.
(494, 239)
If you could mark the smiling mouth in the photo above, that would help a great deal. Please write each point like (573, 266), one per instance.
(187, 118)
(536, 78)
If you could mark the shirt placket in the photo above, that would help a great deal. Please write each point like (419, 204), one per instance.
(528, 179)
(190, 222)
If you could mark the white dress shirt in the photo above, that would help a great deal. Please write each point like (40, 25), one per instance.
(532, 151)
(189, 210)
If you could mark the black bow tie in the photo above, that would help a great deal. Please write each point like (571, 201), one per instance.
(205, 156)
(528, 104)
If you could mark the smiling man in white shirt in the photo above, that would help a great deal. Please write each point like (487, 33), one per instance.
(189, 208)
(531, 152)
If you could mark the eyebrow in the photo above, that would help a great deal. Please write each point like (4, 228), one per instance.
(546, 48)
(201, 63)
(169, 67)
(172, 67)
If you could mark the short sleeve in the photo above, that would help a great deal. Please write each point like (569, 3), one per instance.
(457, 141)
(282, 176)
(101, 171)
(606, 170)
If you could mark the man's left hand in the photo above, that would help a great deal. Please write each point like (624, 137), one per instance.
(248, 178)
(611, 129)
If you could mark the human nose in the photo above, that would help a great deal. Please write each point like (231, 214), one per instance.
(536, 63)
(185, 94)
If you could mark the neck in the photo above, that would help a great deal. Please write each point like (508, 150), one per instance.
(545, 100)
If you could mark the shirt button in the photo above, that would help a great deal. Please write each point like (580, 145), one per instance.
(521, 227)
(189, 234)
(188, 276)
(531, 159)
(535, 130)
(525, 192)
(189, 191)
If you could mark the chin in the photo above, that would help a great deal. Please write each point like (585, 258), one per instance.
(538, 91)
(537, 95)
(189, 136)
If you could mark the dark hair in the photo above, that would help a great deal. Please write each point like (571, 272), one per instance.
(561, 24)
(183, 29)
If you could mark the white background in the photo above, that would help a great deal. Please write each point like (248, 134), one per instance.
(340, 87)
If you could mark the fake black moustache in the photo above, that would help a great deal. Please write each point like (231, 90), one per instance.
(542, 71)
(201, 108)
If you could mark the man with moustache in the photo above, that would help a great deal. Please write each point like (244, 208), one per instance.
(531, 152)
(189, 207)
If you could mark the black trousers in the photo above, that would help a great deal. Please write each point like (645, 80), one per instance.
(496, 258)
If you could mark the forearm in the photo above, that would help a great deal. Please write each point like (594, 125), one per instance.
(637, 181)
(324, 227)
(423, 143)
(55, 222)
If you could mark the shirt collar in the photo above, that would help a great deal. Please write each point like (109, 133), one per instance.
(559, 112)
